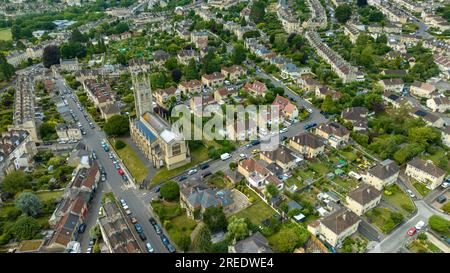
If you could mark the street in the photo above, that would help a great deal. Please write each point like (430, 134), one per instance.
(114, 183)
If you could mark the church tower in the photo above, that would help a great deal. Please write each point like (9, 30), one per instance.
(142, 91)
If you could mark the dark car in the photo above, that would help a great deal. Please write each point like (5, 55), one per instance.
(157, 229)
(204, 166)
(158, 188)
(206, 174)
(292, 99)
(170, 248)
(138, 228)
(165, 240)
(256, 142)
(143, 237)
(82, 228)
(441, 199)
(182, 178)
(152, 221)
(124, 177)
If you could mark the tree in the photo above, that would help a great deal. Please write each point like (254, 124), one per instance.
(215, 219)
(237, 229)
(343, 13)
(287, 241)
(47, 131)
(439, 224)
(170, 191)
(176, 75)
(14, 182)
(272, 190)
(117, 125)
(25, 228)
(29, 204)
(72, 50)
(202, 240)
(238, 55)
(191, 72)
(257, 12)
(6, 68)
(77, 36)
(119, 144)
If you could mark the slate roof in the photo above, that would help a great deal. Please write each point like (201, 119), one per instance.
(340, 220)
(256, 243)
(364, 194)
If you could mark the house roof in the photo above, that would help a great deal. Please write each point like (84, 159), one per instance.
(426, 166)
(333, 128)
(256, 243)
(364, 194)
(354, 113)
(340, 220)
(308, 139)
(282, 154)
(384, 171)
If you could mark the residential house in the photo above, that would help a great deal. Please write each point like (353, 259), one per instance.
(162, 96)
(233, 73)
(191, 87)
(357, 116)
(256, 243)
(425, 172)
(256, 88)
(257, 175)
(395, 100)
(68, 132)
(323, 91)
(213, 80)
(286, 108)
(430, 119)
(382, 175)
(335, 133)
(336, 227)
(186, 55)
(392, 85)
(307, 144)
(362, 199)
(282, 156)
(242, 130)
(422, 89)
(445, 136)
(439, 104)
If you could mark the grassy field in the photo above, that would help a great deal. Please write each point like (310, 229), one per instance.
(179, 227)
(133, 163)
(257, 212)
(197, 156)
(395, 196)
(5, 34)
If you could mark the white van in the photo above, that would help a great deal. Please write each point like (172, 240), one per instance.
(225, 156)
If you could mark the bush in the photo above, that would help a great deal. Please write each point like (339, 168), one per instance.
(439, 224)
(120, 144)
(170, 191)
(446, 207)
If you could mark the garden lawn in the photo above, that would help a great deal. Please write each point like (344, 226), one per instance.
(421, 188)
(382, 218)
(133, 163)
(180, 226)
(398, 198)
(423, 246)
(257, 212)
(349, 156)
(198, 156)
(320, 168)
(49, 195)
(5, 34)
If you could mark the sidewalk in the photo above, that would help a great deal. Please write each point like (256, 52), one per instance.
(442, 246)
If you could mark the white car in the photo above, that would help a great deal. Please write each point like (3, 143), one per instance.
(309, 110)
(243, 156)
(445, 185)
(419, 225)
(411, 194)
(191, 172)
(149, 247)
(89, 250)
(284, 130)
(123, 202)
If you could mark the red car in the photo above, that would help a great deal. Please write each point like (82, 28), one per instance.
(120, 171)
(411, 231)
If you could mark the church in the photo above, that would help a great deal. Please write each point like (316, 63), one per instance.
(151, 133)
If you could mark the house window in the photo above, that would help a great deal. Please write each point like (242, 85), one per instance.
(176, 149)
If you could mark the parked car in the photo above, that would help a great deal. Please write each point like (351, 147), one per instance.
(411, 231)
(152, 221)
(142, 235)
(419, 225)
(182, 178)
(128, 211)
(149, 247)
(284, 130)
(157, 229)
(204, 166)
(89, 250)
(122, 201)
(103, 178)
(94, 155)
(206, 174)
(410, 193)
(133, 220)
(441, 199)
(138, 227)
(243, 156)
(445, 185)
(170, 248)
(193, 171)
(124, 177)
(120, 171)
(82, 228)
(256, 142)
(164, 239)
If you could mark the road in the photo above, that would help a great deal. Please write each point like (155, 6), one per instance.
(114, 183)
(396, 240)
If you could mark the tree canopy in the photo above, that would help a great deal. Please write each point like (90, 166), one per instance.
(215, 219)
(29, 204)
(170, 191)
(117, 125)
